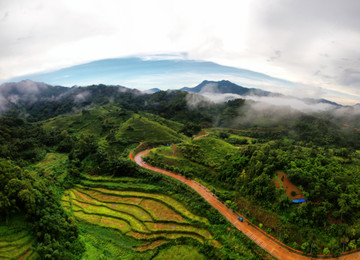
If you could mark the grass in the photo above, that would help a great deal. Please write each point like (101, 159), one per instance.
(94, 219)
(105, 211)
(151, 245)
(214, 150)
(120, 185)
(180, 252)
(184, 164)
(17, 250)
(165, 235)
(53, 165)
(139, 128)
(133, 210)
(65, 203)
(111, 198)
(180, 208)
(180, 228)
(176, 126)
(108, 178)
(160, 211)
(118, 224)
(90, 123)
(155, 219)
(15, 240)
(107, 243)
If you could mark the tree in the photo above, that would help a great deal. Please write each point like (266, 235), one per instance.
(352, 244)
(190, 129)
(326, 251)
(305, 247)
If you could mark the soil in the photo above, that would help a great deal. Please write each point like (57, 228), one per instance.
(283, 181)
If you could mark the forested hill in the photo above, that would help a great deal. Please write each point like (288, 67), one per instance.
(54, 139)
(38, 101)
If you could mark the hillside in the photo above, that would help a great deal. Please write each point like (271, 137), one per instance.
(226, 86)
(139, 128)
(71, 172)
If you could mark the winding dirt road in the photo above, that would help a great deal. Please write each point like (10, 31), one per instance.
(271, 245)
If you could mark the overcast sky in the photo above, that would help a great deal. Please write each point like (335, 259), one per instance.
(313, 43)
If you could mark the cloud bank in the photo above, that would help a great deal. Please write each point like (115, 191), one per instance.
(314, 43)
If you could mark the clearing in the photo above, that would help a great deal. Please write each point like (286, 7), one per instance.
(282, 181)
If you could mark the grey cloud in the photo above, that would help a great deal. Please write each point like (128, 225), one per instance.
(351, 77)
(4, 17)
(311, 36)
(277, 55)
(311, 15)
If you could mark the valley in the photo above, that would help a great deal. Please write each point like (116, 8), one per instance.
(75, 185)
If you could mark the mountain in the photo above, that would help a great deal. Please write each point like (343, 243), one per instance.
(225, 86)
(152, 91)
(26, 92)
(312, 101)
(151, 72)
(209, 88)
(37, 100)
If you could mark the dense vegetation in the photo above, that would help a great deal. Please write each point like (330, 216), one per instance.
(245, 176)
(52, 146)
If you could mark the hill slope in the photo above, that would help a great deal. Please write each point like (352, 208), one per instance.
(226, 86)
(139, 128)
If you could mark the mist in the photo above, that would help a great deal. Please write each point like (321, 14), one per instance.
(82, 96)
(258, 113)
(267, 111)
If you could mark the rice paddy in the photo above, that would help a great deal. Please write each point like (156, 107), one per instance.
(16, 245)
(153, 219)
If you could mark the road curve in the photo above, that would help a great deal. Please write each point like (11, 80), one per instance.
(273, 247)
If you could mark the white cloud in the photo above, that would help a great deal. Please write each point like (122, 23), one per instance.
(311, 42)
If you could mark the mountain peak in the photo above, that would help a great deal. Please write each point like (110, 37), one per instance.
(226, 86)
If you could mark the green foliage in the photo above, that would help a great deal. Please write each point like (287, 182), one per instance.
(190, 129)
(22, 141)
(139, 128)
(180, 252)
(16, 239)
(318, 154)
(30, 194)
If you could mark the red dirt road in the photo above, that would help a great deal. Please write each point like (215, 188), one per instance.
(201, 135)
(271, 245)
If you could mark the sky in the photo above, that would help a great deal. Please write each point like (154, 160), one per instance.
(312, 43)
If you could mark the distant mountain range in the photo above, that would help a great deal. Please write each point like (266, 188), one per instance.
(167, 72)
(227, 87)
(150, 72)
(23, 94)
(152, 91)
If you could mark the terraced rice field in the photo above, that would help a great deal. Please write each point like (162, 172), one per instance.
(154, 219)
(170, 202)
(160, 211)
(151, 245)
(16, 246)
(165, 235)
